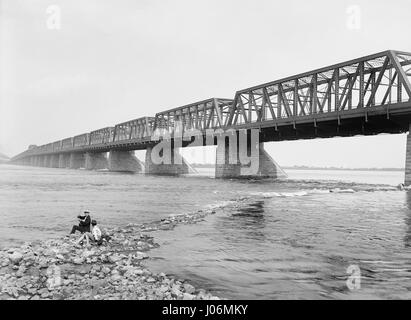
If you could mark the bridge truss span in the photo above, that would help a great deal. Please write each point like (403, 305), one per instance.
(212, 113)
(354, 87)
(368, 95)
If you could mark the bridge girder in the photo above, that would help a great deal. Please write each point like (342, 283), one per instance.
(356, 88)
(376, 80)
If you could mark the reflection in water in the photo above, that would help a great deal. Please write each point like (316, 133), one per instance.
(245, 222)
(253, 209)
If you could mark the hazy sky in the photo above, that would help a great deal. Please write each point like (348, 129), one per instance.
(112, 61)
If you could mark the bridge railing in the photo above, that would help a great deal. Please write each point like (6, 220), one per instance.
(380, 79)
(81, 140)
(135, 129)
(67, 143)
(104, 135)
(207, 114)
(57, 145)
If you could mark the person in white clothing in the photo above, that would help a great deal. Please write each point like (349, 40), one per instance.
(95, 235)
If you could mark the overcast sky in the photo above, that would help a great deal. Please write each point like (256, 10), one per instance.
(112, 61)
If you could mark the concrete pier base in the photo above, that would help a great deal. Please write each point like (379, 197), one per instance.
(407, 179)
(46, 161)
(64, 160)
(171, 166)
(36, 161)
(54, 161)
(76, 161)
(96, 161)
(123, 161)
(267, 167)
(224, 168)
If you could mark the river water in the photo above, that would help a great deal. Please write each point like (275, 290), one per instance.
(288, 239)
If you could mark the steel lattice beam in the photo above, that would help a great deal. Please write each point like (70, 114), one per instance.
(355, 88)
(371, 81)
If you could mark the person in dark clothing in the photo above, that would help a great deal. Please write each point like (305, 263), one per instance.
(84, 223)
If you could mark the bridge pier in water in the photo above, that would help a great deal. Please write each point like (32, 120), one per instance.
(54, 161)
(76, 161)
(37, 161)
(64, 160)
(123, 161)
(96, 161)
(226, 169)
(172, 162)
(46, 161)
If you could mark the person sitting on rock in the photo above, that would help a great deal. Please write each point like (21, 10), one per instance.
(84, 223)
(95, 235)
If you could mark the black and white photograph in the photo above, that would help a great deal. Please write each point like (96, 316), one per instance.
(216, 151)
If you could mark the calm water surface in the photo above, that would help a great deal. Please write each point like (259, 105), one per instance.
(289, 239)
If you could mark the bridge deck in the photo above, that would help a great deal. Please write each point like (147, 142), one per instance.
(368, 95)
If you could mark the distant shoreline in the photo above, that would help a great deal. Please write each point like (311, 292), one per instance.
(212, 166)
(209, 165)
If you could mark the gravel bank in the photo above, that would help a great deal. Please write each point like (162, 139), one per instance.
(57, 269)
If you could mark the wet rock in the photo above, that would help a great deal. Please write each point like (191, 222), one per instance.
(106, 270)
(114, 258)
(189, 288)
(187, 296)
(78, 260)
(164, 289)
(88, 253)
(116, 277)
(175, 291)
(15, 257)
(20, 272)
(141, 255)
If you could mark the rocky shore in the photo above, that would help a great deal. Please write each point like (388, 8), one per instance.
(58, 269)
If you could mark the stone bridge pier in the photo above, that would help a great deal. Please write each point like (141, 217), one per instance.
(123, 161)
(54, 161)
(77, 161)
(229, 166)
(46, 161)
(64, 160)
(37, 161)
(96, 161)
(166, 160)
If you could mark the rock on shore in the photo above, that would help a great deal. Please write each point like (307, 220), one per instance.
(58, 269)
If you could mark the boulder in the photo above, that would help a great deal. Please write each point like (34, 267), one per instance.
(114, 258)
(78, 260)
(15, 257)
(189, 288)
(187, 296)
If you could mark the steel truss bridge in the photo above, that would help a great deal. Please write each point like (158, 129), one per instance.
(368, 95)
